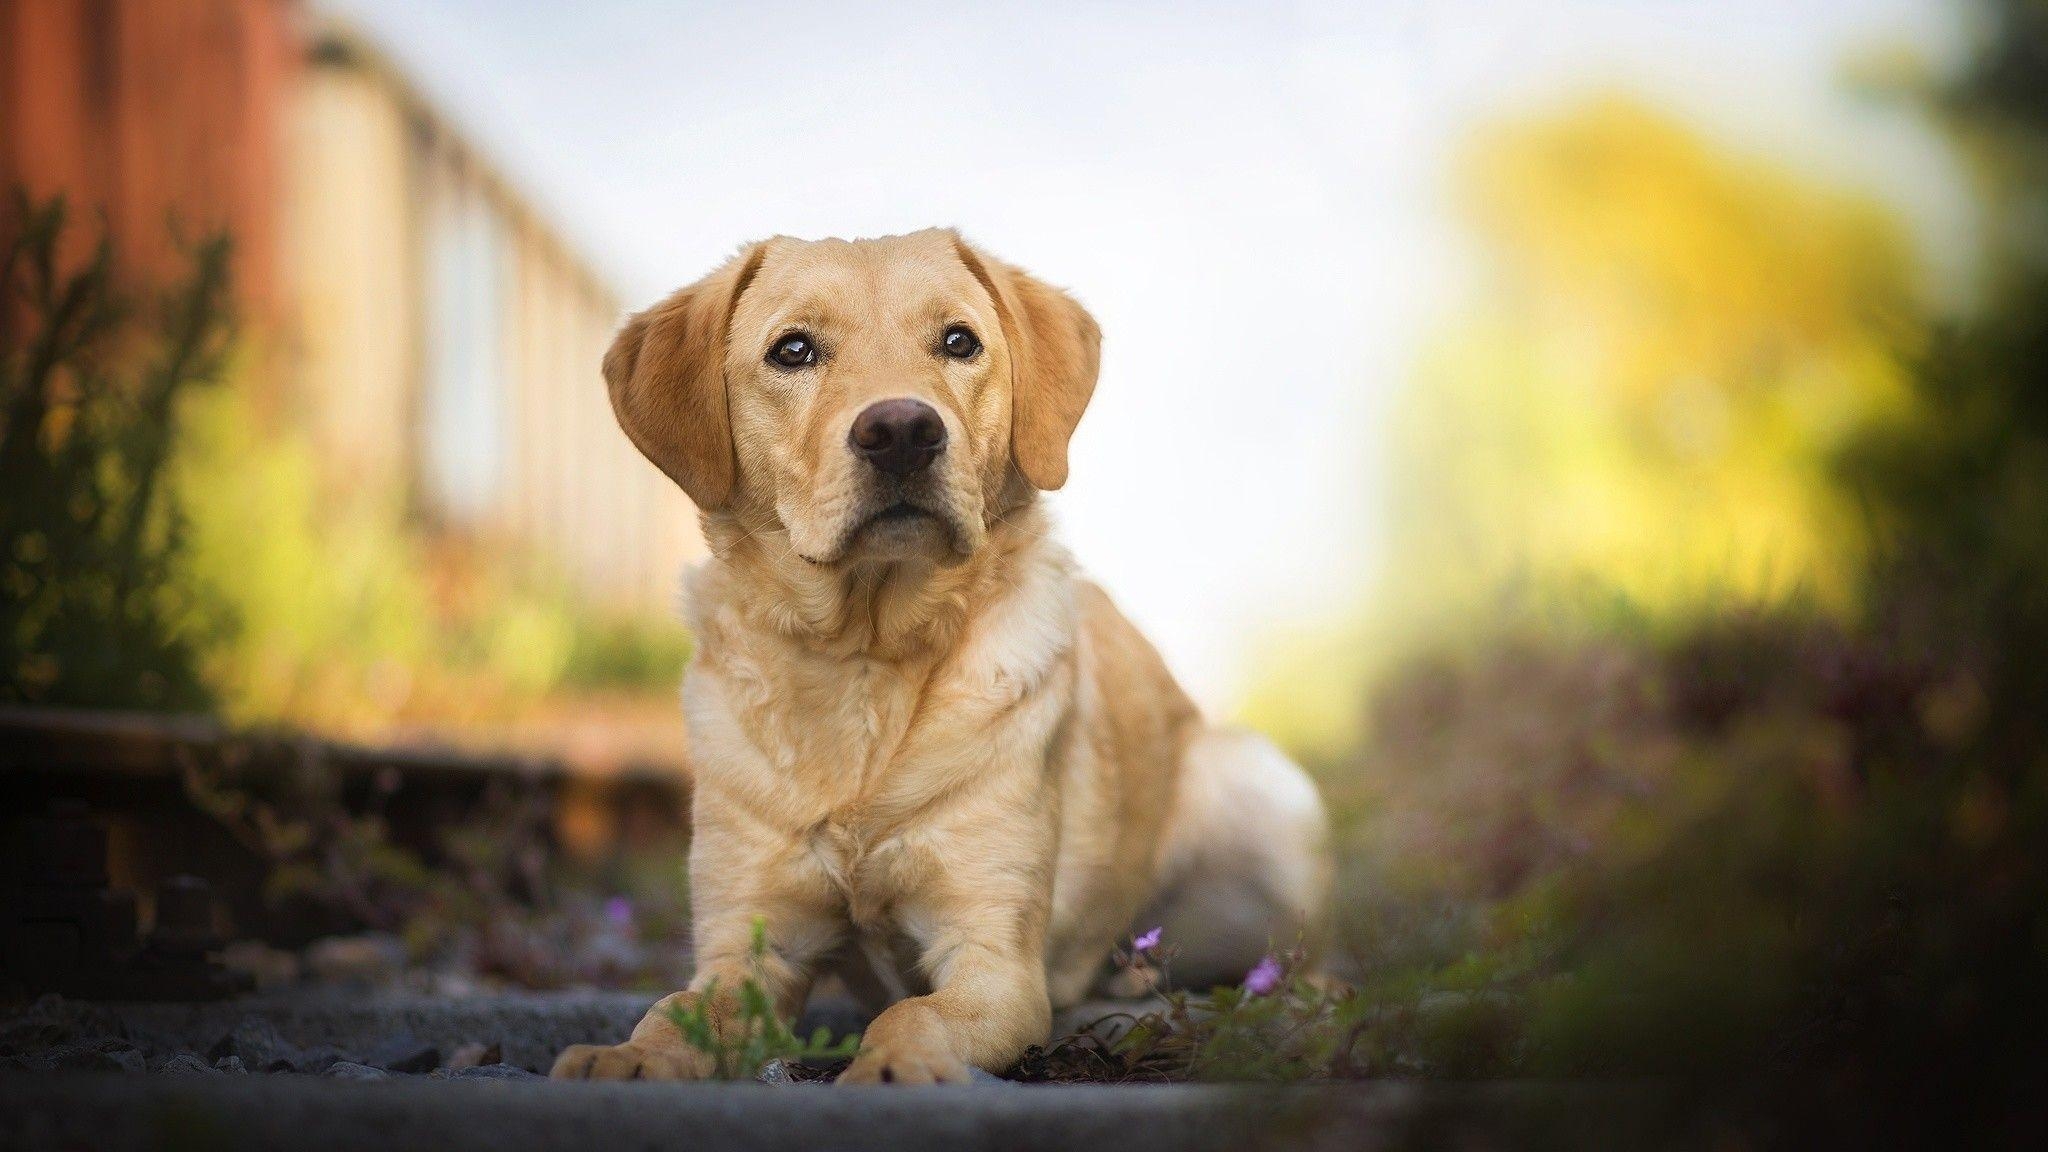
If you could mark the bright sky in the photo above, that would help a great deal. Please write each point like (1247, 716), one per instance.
(1248, 197)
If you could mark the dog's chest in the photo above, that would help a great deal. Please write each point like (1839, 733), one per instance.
(845, 724)
(842, 740)
(866, 867)
(844, 735)
(868, 766)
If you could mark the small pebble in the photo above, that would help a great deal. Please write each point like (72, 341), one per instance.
(316, 1060)
(187, 1064)
(474, 1055)
(350, 1070)
(488, 1072)
(256, 1042)
(104, 1055)
(366, 960)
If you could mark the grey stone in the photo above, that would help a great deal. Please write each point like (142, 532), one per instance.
(187, 1064)
(106, 1054)
(31, 1033)
(316, 1059)
(254, 1040)
(232, 1065)
(350, 1070)
(475, 1055)
(780, 1072)
(487, 1072)
(266, 967)
(53, 1022)
(366, 960)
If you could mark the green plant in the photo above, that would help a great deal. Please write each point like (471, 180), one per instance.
(1279, 1025)
(484, 894)
(1276, 1027)
(739, 1053)
(91, 531)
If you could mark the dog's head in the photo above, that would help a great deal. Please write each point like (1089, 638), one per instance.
(880, 399)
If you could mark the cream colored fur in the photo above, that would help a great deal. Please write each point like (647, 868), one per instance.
(930, 756)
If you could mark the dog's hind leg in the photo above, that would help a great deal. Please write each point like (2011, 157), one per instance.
(1244, 866)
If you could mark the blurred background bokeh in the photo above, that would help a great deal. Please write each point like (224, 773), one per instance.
(399, 500)
(1643, 533)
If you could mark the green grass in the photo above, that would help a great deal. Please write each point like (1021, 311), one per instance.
(757, 1036)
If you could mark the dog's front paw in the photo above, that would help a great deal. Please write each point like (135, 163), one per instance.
(906, 1064)
(630, 1061)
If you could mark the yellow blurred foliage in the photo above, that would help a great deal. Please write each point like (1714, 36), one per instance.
(1668, 342)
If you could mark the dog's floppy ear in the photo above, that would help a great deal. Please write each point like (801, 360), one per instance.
(666, 374)
(1055, 350)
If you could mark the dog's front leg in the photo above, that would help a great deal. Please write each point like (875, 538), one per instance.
(739, 883)
(988, 1008)
(658, 1050)
(980, 926)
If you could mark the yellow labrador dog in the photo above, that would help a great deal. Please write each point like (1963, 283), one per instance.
(929, 755)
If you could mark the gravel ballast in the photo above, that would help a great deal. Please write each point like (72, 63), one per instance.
(337, 1070)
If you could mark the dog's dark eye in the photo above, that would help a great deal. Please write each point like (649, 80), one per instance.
(960, 342)
(793, 351)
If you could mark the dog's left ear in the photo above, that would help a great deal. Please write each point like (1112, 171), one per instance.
(1055, 352)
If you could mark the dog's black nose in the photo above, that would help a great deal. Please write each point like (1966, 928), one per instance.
(900, 437)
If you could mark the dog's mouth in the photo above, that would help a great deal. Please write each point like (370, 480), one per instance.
(903, 513)
(903, 524)
(901, 510)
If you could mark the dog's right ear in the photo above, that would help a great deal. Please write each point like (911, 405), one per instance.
(666, 374)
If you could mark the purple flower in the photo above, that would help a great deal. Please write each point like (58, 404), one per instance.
(1264, 978)
(1146, 942)
(618, 912)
